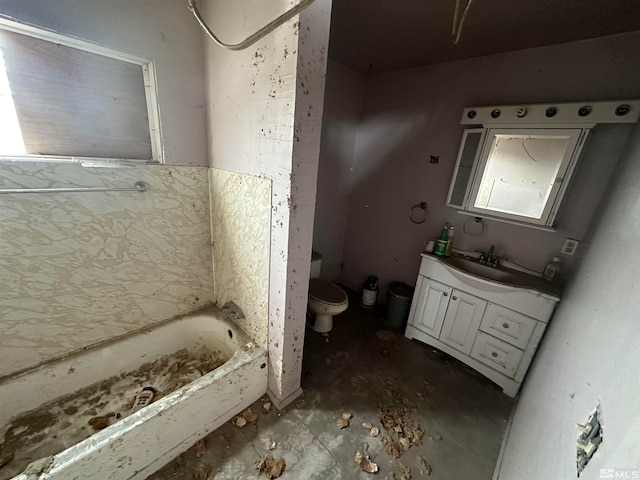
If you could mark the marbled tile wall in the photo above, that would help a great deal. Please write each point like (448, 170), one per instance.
(80, 268)
(241, 222)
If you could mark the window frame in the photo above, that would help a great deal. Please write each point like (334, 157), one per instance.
(150, 86)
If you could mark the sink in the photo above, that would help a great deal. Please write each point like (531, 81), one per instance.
(501, 275)
(479, 270)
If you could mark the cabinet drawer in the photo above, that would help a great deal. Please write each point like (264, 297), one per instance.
(507, 325)
(497, 354)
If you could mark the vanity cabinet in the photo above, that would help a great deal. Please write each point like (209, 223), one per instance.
(492, 327)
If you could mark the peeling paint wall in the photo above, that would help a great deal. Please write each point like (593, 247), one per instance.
(256, 127)
(311, 72)
(241, 222)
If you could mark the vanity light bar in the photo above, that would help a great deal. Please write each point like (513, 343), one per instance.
(590, 113)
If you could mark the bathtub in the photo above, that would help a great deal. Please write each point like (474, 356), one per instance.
(139, 444)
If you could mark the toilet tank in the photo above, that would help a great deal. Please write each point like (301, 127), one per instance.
(316, 265)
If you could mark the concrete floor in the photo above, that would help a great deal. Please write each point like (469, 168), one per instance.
(462, 414)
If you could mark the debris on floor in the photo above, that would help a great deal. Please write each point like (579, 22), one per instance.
(5, 456)
(403, 431)
(385, 335)
(423, 466)
(436, 437)
(404, 474)
(266, 407)
(271, 467)
(273, 445)
(249, 416)
(373, 430)
(101, 422)
(363, 460)
(200, 447)
(239, 421)
(343, 421)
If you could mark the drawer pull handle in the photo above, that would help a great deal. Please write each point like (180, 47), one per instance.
(445, 294)
(494, 354)
(505, 325)
(454, 298)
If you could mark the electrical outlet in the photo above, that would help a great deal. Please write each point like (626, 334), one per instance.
(570, 246)
(434, 158)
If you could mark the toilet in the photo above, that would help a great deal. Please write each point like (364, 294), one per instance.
(326, 299)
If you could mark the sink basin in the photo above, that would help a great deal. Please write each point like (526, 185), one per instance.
(502, 275)
(479, 270)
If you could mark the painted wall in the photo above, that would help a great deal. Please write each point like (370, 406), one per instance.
(80, 268)
(162, 30)
(411, 114)
(590, 353)
(240, 225)
(342, 108)
(264, 109)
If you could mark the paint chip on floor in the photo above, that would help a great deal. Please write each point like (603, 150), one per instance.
(271, 467)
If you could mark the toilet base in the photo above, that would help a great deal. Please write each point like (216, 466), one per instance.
(323, 323)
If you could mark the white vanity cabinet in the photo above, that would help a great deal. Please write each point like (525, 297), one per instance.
(492, 327)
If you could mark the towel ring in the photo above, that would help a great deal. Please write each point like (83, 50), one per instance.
(471, 227)
(422, 206)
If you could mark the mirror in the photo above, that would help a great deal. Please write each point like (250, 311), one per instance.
(515, 174)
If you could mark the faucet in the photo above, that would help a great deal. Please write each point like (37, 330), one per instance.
(489, 259)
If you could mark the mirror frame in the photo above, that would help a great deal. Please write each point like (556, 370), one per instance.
(577, 138)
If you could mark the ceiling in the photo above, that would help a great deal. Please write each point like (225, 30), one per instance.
(379, 35)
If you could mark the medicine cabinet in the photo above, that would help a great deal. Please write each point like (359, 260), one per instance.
(517, 167)
(518, 174)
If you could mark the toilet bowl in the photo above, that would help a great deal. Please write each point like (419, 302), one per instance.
(325, 300)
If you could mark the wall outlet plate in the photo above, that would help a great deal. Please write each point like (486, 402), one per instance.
(570, 246)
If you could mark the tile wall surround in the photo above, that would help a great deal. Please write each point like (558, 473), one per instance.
(80, 268)
(241, 214)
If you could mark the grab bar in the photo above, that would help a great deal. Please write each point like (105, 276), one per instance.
(137, 187)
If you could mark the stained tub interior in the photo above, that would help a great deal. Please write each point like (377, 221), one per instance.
(67, 420)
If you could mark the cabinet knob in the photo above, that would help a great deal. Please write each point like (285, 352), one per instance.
(445, 294)
(505, 325)
(454, 298)
(494, 354)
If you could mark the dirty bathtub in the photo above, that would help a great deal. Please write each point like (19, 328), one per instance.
(140, 443)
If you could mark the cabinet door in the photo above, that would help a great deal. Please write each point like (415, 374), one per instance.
(430, 306)
(462, 320)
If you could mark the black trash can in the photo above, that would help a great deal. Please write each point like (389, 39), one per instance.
(399, 297)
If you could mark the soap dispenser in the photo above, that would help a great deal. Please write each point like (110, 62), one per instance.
(552, 270)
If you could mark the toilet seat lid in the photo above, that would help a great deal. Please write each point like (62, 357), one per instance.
(326, 292)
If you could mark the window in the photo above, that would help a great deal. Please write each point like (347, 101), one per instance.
(62, 98)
